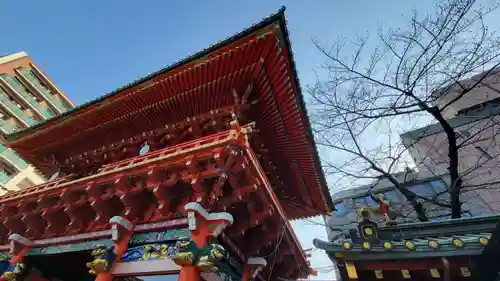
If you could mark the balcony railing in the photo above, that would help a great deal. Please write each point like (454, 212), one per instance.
(13, 158)
(7, 127)
(25, 95)
(33, 79)
(4, 177)
(14, 110)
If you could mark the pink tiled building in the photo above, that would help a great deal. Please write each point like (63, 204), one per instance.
(476, 121)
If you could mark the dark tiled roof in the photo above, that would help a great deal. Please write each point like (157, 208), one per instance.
(471, 246)
(471, 233)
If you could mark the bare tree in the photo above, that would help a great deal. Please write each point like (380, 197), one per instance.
(395, 81)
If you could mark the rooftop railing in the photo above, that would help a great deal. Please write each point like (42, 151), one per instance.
(33, 79)
(13, 157)
(25, 95)
(14, 109)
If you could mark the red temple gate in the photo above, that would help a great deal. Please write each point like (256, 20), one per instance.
(225, 129)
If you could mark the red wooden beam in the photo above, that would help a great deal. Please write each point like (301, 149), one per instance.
(201, 147)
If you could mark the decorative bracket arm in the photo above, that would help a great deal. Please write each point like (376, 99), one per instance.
(104, 259)
(204, 224)
(19, 247)
(253, 267)
(120, 228)
(198, 256)
(121, 232)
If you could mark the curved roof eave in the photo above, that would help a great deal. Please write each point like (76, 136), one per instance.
(265, 22)
(273, 18)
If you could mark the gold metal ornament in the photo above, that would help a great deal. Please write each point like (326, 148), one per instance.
(12, 275)
(100, 263)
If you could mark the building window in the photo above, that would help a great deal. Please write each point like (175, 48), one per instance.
(392, 196)
(349, 202)
(465, 214)
(370, 201)
(7, 168)
(38, 81)
(46, 109)
(4, 115)
(41, 87)
(423, 190)
(439, 186)
(340, 209)
(19, 105)
(475, 109)
(464, 134)
(360, 201)
(28, 92)
(14, 158)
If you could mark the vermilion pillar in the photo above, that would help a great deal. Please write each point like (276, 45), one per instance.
(121, 232)
(35, 275)
(19, 247)
(202, 225)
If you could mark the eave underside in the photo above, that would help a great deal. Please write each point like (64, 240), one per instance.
(198, 88)
(155, 188)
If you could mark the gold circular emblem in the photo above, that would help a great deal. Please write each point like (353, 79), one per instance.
(483, 241)
(347, 245)
(410, 245)
(433, 244)
(368, 231)
(458, 243)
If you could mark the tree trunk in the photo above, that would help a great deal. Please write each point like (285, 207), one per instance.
(410, 196)
(456, 205)
(417, 206)
(455, 180)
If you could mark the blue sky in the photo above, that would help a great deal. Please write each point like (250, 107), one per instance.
(92, 47)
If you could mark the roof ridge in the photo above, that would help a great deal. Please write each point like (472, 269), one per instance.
(228, 40)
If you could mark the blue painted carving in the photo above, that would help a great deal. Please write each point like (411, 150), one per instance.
(13, 271)
(133, 254)
(150, 252)
(4, 262)
(227, 272)
(4, 265)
